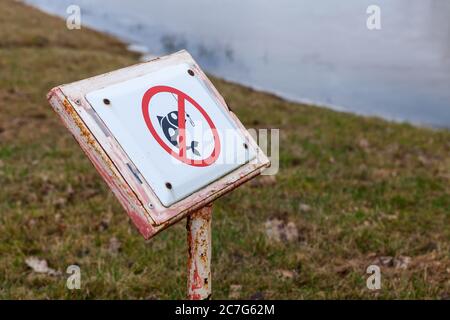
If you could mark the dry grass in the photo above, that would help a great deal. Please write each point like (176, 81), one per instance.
(356, 189)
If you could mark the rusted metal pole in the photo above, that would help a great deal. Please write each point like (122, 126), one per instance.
(199, 251)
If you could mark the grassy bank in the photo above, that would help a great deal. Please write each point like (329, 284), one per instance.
(354, 191)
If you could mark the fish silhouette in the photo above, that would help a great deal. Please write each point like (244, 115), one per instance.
(169, 126)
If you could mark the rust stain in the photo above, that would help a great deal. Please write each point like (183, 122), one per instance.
(83, 130)
(199, 258)
(195, 296)
(105, 167)
(91, 141)
(197, 283)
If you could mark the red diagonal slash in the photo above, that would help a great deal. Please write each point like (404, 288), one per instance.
(181, 127)
(182, 98)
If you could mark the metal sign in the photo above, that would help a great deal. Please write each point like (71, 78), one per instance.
(161, 136)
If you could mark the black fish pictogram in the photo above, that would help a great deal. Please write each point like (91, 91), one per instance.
(169, 126)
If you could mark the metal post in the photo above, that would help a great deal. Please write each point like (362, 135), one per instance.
(199, 253)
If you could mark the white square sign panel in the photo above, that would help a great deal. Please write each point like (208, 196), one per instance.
(148, 116)
(161, 136)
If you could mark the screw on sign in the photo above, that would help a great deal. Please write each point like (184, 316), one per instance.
(125, 124)
(175, 121)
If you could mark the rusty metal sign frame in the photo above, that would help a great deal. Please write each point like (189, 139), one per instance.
(114, 165)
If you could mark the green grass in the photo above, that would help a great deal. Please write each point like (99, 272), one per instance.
(375, 188)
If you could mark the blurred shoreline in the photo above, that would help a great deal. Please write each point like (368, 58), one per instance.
(339, 73)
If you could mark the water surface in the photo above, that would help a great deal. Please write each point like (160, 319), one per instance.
(303, 50)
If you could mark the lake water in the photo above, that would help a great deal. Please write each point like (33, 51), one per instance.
(302, 50)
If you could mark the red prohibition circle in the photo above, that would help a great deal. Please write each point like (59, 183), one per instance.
(182, 97)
